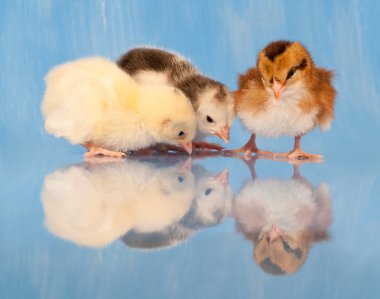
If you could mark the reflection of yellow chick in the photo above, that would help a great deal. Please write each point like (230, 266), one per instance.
(93, 205)
(94, 103)
(282, 218)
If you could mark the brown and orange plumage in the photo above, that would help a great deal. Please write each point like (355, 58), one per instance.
(285, 94)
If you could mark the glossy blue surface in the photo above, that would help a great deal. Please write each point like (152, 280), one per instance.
(213, 259)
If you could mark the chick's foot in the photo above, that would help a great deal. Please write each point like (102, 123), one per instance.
(95, 151)
(299, 154)
(207, 145)
(249, 148)
(95, 160)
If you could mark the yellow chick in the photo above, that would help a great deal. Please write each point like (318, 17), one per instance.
(94, 103)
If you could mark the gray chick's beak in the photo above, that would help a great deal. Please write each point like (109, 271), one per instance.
(224, 134)
(222, 177)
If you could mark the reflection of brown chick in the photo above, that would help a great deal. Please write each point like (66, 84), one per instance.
(282, 218)
(285, 94)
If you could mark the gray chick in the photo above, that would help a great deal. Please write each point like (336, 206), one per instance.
(211, 100)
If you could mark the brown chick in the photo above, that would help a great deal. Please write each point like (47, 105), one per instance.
(286, 94)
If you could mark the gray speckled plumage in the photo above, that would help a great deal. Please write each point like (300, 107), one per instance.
(178, 71)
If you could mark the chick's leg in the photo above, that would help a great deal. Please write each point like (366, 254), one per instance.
(249, 148)
(94, 151)
(298, 153)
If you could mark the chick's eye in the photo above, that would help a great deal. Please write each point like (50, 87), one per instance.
(181, 133)
(208, 191)
(291, 73)
(209, 119)
(180, 179)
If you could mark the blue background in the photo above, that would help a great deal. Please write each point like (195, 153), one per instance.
(222, 38)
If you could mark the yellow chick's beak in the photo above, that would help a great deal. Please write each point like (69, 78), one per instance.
(187, 146)
(278, 88)
(224, 134)
(222, 177)
(274, 233)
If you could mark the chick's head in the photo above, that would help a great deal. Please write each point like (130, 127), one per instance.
(164, 199)
(215, 112)
(168, 115)
(279, 253)
(213, 197)
(283, 65)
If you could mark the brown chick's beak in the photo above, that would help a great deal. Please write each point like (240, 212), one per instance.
(274, 233)
(222, 177)
(224, 134)
(188, 146)
(278, 88)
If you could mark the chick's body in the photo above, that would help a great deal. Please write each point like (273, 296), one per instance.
(211, 100)
(285, 95)
(283, 218)
(94, 103)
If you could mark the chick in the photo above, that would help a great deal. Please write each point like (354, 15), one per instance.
(210, 206)
(285, 94)
(212, 202)
(283, 218)
(94, 204)
(93, 102)
(212, 102)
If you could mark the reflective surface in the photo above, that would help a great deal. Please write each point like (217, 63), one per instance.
(170, 227)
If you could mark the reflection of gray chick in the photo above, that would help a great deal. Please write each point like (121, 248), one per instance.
(210, 206)
(282, 217)
(93, 204)
(167, 237)
(211, 100)
(212, 202)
